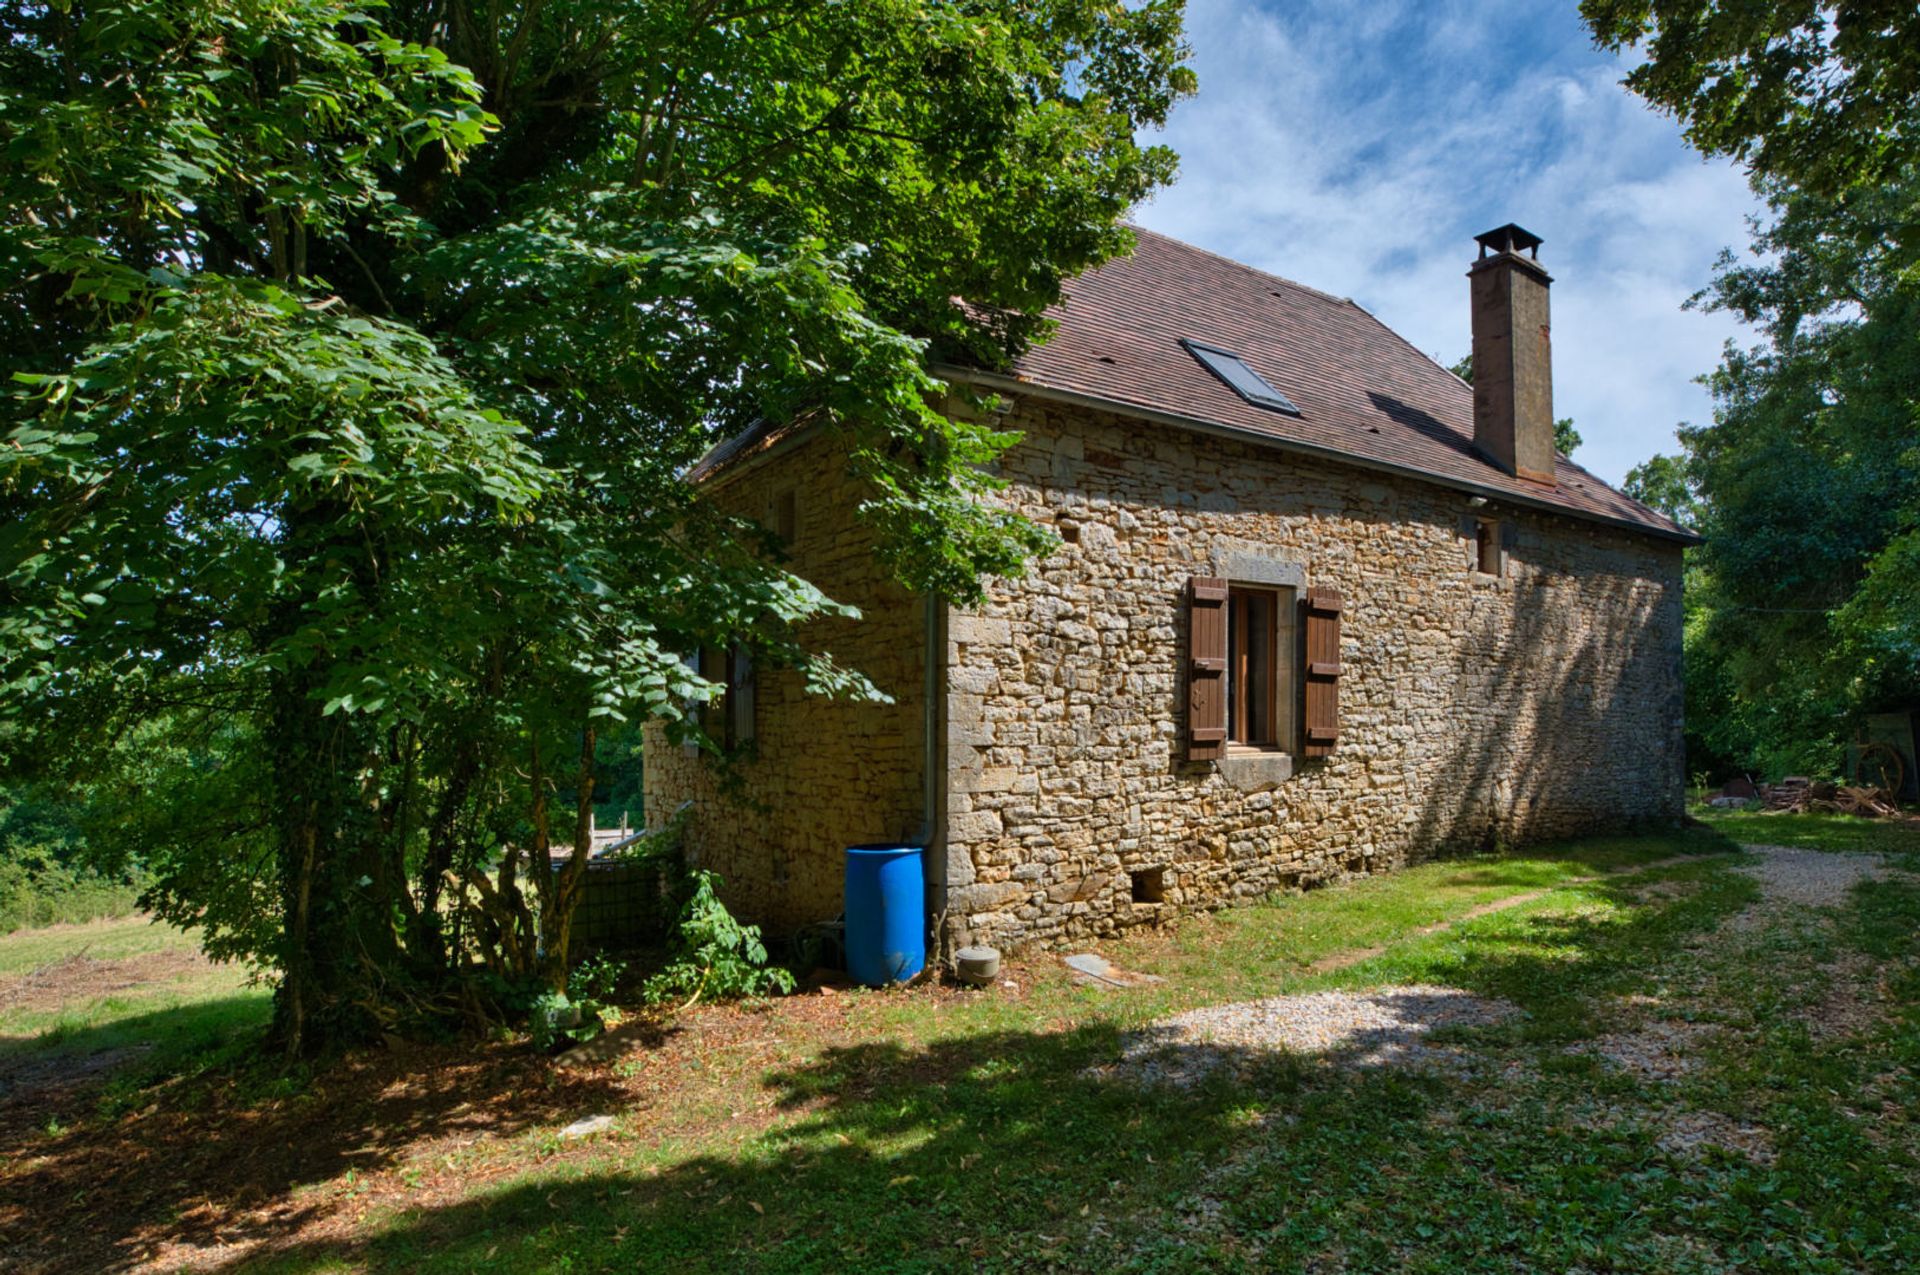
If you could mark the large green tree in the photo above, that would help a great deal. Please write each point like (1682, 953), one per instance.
(360, 354)
(1807, 481)
(1816, 93)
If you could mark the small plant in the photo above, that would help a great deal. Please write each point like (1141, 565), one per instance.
(555, 1021)
(714, 955)
(558, 1018)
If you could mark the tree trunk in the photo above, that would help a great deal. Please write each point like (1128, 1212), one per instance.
(562, 895)
(343, 979)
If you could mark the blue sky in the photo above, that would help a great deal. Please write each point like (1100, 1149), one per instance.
(1358, 148)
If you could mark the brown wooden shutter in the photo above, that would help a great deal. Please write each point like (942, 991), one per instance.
(1322, 647)
(1207, 669)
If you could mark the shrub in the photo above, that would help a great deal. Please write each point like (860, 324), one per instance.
(714, 955)
(557, 1019)
(37, 889)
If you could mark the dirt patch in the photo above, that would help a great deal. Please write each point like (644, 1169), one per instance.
(211, 1173)
(48, 1081)
(80, 977)
(1851, 1000)
(1664, 892)
(1693, 1133)
(1662, 1051)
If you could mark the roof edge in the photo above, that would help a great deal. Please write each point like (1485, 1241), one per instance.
(1195, 424)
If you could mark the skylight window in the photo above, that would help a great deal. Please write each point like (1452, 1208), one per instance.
(1246, 382)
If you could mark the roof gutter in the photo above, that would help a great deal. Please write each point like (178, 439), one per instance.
(1194, 424)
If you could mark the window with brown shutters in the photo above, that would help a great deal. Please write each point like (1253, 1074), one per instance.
(1207, 668)
(1321, 729)
(1260, 659)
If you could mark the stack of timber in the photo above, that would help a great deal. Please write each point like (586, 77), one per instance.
(1800, 795)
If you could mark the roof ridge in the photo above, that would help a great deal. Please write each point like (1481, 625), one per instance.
(1241, 265)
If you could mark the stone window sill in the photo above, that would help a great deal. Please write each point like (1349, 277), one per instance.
(1252, 769)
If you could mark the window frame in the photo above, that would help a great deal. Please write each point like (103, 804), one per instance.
(1282, 641)
(1488, 539)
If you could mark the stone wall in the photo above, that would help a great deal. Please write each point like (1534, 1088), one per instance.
(827, 774)
(1544, 701)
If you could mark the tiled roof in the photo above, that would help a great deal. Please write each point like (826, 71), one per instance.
(1363, 391)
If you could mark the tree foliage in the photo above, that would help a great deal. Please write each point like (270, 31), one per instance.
(1821, 95)
(1807, 481)
(360, 354)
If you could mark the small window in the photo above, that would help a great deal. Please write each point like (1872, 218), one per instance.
(1486, 546)
(1259, 666)
(741, 726)
(786, 516)
(729, 719)
(1246, 382)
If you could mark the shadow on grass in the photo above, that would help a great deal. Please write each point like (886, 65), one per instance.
(1011, 1149)
(222, 1157)
(41, 1068)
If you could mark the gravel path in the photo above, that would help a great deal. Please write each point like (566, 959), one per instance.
(1388, 1026)
(1384, 1027)
(1810, 878)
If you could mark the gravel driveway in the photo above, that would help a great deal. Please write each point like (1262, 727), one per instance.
(1389, 1026)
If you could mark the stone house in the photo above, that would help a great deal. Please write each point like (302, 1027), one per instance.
(1319, 609)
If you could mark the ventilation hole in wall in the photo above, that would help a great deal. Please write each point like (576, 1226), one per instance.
(1070, 532)
(1150, 885)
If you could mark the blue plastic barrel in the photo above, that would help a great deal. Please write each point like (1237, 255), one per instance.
(886, 913)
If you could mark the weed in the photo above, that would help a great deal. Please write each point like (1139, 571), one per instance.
(715, 957)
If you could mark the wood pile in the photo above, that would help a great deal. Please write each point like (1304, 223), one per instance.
(1799, 795)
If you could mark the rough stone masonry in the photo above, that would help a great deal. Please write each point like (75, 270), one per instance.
(1541, 699)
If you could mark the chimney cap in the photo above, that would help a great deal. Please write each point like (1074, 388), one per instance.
(1509, 238)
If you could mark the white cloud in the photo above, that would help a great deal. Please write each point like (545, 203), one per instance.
(1359, 149)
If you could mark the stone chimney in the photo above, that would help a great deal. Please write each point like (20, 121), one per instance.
(1512, 355)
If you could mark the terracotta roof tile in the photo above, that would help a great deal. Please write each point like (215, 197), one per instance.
(1362, 389)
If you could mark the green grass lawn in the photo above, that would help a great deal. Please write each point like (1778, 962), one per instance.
(1812, 831)
(984, 1134)
(989, 1131)
(124, 992)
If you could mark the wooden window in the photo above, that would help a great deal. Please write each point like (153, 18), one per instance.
(1259, 666)
(740, 697)
(1242, 680)
(729, 718)
(1486, 546)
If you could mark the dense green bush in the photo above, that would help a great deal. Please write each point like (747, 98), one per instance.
(37, 889)
(45, 876)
